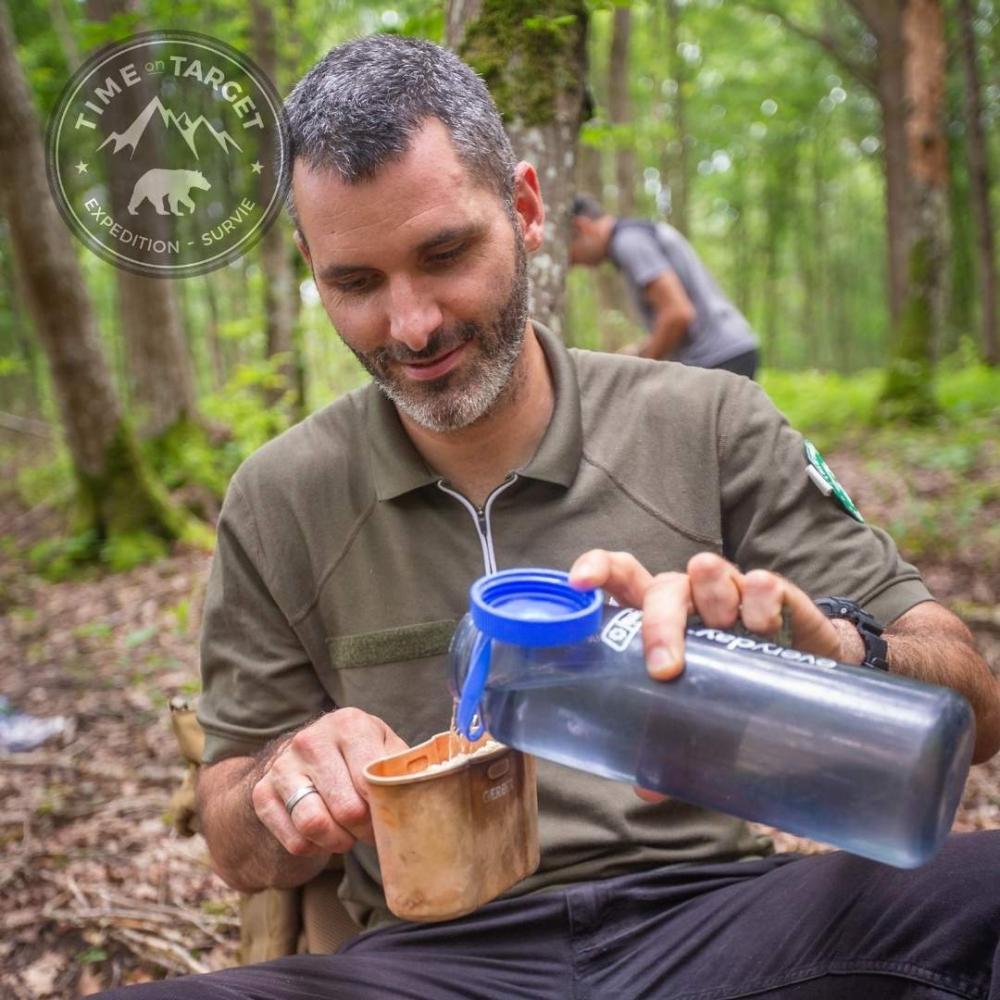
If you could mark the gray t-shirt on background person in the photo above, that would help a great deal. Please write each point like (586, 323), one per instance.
(643, 250)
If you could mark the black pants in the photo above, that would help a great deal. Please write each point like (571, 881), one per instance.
(827, 927)
(742, 364)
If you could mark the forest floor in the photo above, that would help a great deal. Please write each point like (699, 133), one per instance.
(97, 888)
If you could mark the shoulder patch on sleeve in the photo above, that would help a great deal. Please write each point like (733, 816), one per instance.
(827, 483)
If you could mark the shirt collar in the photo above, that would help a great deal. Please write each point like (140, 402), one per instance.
(398, 468)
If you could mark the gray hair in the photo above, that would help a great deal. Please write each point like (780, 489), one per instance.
(359, 107)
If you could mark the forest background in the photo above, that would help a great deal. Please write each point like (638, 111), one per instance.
(830, 162)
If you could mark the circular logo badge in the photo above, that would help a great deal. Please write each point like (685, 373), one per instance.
(168, 154)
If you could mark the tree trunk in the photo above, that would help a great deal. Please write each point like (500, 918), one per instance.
(161, 380)
(533, 58)
(743, 259)
(616, 329)
(159, 365)
(215, 350)
(893, 106)
(677, 167)
(884, 19)
(279, 281)
(115, 492)
(64, 32)
(908, 388)
(821, 345)
(979, 180)
(620, 110)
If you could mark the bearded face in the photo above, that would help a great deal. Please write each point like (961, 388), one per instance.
(467, 392)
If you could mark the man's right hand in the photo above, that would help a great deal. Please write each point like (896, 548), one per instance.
(330, 754)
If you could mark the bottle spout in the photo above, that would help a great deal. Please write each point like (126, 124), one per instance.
(468, 715)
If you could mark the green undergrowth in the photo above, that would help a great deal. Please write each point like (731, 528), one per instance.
(936, 486)
(195, 462)
(830, 408)
(65, 557)
(236, 422)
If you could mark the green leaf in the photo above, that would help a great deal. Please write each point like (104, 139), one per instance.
(139, 636)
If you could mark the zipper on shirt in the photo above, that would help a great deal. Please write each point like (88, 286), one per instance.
(481, 516)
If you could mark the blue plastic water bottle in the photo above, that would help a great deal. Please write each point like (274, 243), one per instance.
(870, 762)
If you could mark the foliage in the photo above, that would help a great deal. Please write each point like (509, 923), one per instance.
(189, 454)
(833, 408)
(62, 557)
(824, 406)
(125, 551)
(784, 166)
(186, 454)
(935, 484)
(49, 482)
(238, 407)
(66, 557)
(238, 423)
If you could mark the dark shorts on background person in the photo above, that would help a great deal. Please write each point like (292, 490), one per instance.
(743, 364)
(825, 927)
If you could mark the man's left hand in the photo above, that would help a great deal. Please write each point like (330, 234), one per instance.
(720, 594)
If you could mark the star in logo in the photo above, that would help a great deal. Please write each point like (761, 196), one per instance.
(256, 166)
(81, 167)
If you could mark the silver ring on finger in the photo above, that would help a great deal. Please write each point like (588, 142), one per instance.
(298, 795)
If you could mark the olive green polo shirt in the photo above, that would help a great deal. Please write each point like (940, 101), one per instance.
(344, 563)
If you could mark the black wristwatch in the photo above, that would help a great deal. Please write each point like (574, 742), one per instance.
(876, 649)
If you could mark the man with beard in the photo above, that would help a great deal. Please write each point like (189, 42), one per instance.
(347, 546)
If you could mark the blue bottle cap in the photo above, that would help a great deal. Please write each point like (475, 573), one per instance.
(534, 607)
(523, 607)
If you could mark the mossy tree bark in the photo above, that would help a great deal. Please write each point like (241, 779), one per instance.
(908, 391)
(617, 314)
(116, 493)
(533, 56)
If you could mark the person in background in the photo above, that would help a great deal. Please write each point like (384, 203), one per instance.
(687, 316)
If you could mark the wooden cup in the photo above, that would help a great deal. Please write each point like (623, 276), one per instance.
(451, 840)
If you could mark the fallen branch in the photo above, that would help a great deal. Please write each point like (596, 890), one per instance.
(170, 914)
(61, 761)
(165, 953)
(25, 425)
(75, 890)
(205, 922)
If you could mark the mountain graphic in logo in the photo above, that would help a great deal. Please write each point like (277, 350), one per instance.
(182, 122)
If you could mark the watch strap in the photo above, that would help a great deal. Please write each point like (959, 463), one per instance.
(870, 631)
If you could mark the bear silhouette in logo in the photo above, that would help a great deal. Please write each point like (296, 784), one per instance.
(167, 187)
